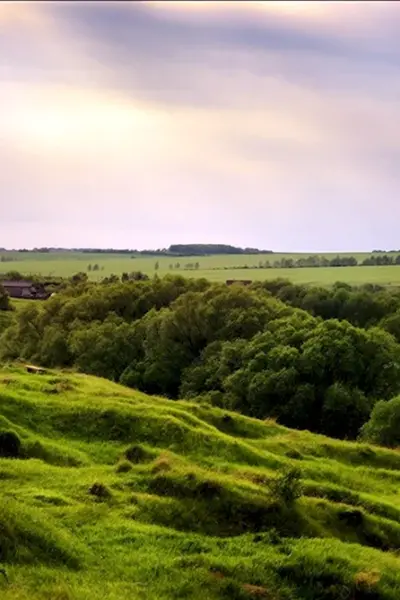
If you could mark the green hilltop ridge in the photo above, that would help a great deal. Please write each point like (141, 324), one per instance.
(107, 493)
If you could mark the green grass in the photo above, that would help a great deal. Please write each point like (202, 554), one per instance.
(215, 268)
(120, 495)
(20, 303)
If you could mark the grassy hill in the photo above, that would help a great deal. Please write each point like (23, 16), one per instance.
(114, 494)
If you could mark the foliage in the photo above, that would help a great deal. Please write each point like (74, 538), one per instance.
(363, 307)
(322, 376)
(205, 249)
(4, 299)
(287, 488)
(384, 425)
(235, 346)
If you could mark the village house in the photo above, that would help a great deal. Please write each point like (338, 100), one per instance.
(25, 289)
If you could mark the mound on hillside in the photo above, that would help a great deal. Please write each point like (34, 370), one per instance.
(109, 493)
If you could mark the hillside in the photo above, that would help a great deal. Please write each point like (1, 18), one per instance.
(116, 494)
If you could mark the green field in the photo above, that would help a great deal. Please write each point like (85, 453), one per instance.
(214, 268)
(114, 495)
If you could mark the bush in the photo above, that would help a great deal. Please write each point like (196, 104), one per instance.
(4, 299)
(137, 454)
(287, 488)
(100, 491)
(383, 426)
(351, 516)
(295, 454)
(10, 445)
(123, 466)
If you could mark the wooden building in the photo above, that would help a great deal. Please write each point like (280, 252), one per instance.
(25, 289)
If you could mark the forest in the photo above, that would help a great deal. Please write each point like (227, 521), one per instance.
(322, 359)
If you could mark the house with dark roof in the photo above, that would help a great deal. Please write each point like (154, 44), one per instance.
(25, 289)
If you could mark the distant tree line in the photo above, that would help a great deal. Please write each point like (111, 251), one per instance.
(382, 260)
(315, 260)
(312, 358)
(209, 249)
(173, 250)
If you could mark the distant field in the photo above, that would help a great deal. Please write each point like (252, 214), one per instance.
(215, 268)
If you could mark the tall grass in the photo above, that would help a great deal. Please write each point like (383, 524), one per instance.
(114, 494)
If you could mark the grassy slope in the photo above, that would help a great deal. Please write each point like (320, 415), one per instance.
(190, 515)
(216, 268)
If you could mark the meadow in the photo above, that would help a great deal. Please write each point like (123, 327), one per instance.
(107, 493)
(214, 268)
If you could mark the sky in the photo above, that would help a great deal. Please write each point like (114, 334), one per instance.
(143, 124)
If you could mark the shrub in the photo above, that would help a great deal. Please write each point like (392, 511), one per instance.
(123, 466)
(137, 454)
(295, 454)
(100, 491)
(10, 445)
(287, 488)
(351, 516)
(4, 299)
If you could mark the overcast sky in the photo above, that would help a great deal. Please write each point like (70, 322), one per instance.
(268, 124)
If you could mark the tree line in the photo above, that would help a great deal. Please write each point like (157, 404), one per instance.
(172, 250)
(210, 249)
(312, 358)
(316, 261)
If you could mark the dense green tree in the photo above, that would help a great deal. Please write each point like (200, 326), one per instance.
(364, 307)
(384, 425)
(391, 323)
(306, 373)
(53, 348)
(22, 338)
(239, 347)
(104, 349)
(341, 405)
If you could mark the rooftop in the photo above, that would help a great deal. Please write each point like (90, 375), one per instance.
(16, 284)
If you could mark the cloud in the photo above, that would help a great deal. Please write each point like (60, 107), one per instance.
(270, 124)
